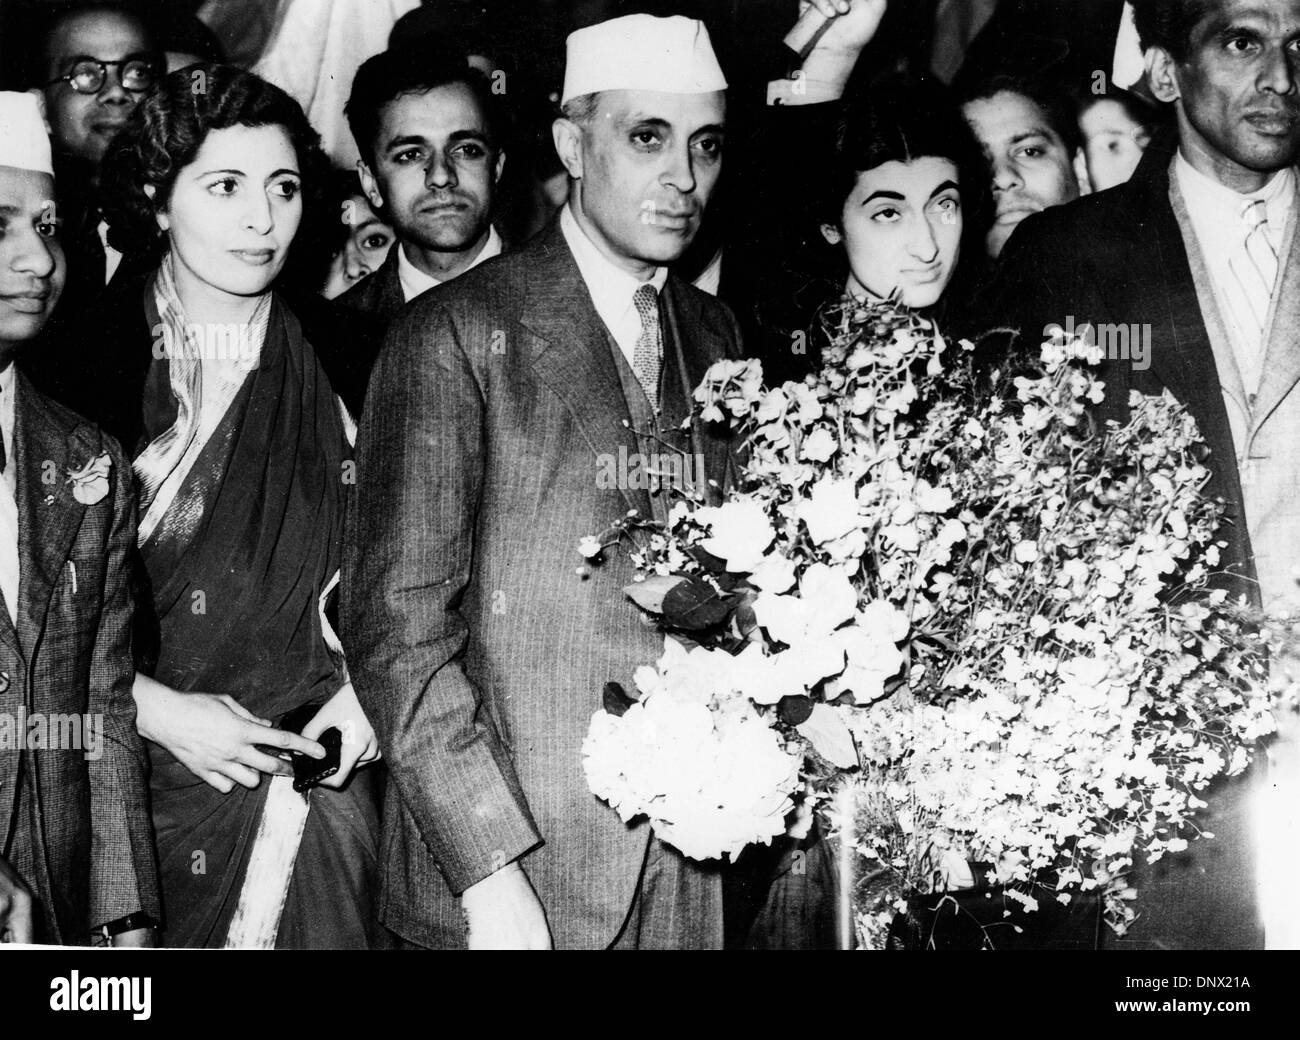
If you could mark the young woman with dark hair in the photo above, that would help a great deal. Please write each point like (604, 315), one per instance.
(897, 207)
(241, 452)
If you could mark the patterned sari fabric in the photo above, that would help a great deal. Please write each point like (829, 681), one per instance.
(235, 566)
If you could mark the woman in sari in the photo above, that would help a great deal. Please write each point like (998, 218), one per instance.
(241, 452)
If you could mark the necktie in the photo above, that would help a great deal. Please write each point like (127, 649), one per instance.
(648, 355)
(4, 458)
(1254, 266)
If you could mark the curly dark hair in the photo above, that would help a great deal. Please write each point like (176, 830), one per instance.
(166, 131)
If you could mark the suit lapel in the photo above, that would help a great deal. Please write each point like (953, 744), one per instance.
(571, 354)
(48, 514)
(1281, 367)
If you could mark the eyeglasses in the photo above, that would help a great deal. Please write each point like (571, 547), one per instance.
(88, 75)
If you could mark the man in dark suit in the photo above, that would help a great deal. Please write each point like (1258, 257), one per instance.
(431, 136)
(76, 845)
(1196, 261)
(476, 648)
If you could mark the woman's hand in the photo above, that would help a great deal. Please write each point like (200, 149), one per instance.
(360, 745)
(213, 736)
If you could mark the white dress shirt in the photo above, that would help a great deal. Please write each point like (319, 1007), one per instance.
(414, 281)
(9, 497)
(1215, 212)
(611, 287)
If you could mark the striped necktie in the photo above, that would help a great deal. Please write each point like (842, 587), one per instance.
(647, 358)
(1254, 267)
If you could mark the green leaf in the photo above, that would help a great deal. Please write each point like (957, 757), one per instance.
(649, 594)
(693, 604)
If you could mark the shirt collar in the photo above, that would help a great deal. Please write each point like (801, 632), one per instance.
(611, 287)
(1206, 196)
(414, 281)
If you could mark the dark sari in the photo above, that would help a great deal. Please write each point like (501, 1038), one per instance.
(235, 571)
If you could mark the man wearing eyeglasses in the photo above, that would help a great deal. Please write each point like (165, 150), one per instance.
(98, 60)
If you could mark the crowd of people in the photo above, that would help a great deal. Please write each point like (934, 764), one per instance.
(294, 449)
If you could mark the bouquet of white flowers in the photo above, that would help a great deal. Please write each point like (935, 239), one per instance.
(954, 596)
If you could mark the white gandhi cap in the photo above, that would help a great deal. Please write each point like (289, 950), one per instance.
(24, 142)
(641, 52)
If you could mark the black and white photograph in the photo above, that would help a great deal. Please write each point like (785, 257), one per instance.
(710, 475)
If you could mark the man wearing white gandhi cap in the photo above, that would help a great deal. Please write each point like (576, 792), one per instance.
(72, 864)
(497, 414)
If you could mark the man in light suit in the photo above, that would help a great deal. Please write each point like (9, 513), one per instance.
(1199, 250)
(477, 642)
(76, 845)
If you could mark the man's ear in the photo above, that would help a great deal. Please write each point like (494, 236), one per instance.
(832, 234)
(369, 186)
(1162, 74)
(1081, 172)
(163, 221)
(568, 145)
(500, 167)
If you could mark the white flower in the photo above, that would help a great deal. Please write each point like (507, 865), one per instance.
(1026, 551)
(775, 574)
(590, 547)
(826, 600)
(90, 481)
(830, 510)
(819, 445)
(740, 533)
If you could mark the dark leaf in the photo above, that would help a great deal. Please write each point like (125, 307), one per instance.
(616, 700)
(694, 605)
(794, 711)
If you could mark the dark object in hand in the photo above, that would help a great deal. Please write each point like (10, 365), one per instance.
(308, 771)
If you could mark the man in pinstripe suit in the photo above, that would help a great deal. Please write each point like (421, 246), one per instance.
(477, 650)
(76, 845)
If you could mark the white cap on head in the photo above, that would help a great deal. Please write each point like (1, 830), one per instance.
(641, 52)
(24, 141)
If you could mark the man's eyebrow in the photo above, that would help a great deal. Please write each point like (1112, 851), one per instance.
(404, 140)
(7, 210)
(945, 186)
(638, 118)
(712, 128)
(469, 135)
(893, 196)
(1027, 135)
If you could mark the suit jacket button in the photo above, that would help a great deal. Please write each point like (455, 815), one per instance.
(4, 682)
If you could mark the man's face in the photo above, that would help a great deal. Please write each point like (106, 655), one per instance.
(646, 166)
(32, 270)
(1032, 169)
(83, 124)
(436, 168)
(1238, 86)
(1114, 143)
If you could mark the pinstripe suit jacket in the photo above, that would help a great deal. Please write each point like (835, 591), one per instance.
(478, 651)
(70, 653)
